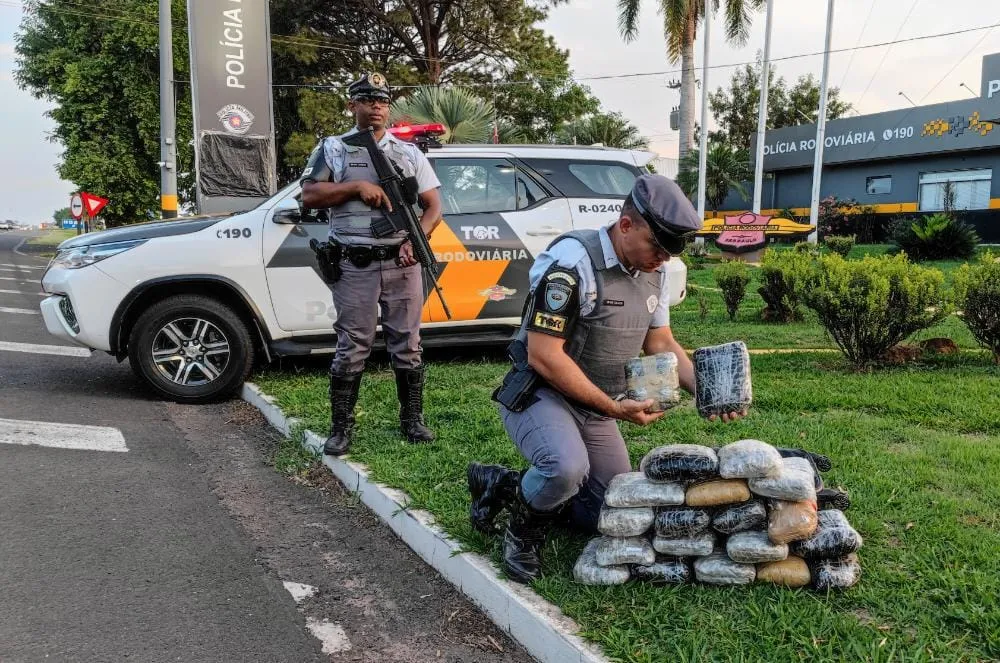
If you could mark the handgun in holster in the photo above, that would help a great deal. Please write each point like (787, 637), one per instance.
(519, 385)
(328, 256)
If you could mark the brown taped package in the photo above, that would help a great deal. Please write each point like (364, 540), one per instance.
(791, 572)
(791, 521)
(713, 493)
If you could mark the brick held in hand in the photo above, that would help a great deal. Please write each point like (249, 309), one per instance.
(722, 379)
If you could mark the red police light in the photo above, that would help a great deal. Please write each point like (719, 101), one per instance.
(412, 131)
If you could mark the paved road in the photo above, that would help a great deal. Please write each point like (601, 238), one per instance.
(180, 547)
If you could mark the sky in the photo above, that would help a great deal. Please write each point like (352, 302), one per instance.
(927, 71)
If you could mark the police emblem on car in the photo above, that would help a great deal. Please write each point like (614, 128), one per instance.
(236, 119)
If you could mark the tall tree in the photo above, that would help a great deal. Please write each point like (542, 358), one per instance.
(735, 108)
(680, 21)
(727, 168)
(608, 129)
(61, 214)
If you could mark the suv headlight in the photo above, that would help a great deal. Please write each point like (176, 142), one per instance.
(82, 256)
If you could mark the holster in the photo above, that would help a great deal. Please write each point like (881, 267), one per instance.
(328, 256)
(517, 392)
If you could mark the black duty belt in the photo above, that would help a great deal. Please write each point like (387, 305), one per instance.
(362, 256)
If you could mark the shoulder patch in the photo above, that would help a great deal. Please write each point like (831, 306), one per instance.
(556, 323)
(560, 275)
(651, 303)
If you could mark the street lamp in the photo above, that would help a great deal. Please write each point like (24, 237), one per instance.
(969, 89)
(805, 117)
(905, 97)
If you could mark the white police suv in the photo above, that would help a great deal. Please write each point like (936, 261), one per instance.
(193, 302)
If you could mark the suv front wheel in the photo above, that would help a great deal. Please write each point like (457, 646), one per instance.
(191, 349)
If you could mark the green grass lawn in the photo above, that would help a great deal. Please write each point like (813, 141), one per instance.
(52, 237)
(917, 448)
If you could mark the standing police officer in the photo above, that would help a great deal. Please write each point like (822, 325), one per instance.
(377, 274)
(598, 298)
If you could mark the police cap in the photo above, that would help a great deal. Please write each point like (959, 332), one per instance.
(370, 85)
(667, 210)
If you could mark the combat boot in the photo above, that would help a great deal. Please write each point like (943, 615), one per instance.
(343, 397)
(492, 488)
(524, 539)
(410, 390)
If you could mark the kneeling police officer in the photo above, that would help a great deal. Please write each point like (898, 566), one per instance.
(373, 273)
(597, 298)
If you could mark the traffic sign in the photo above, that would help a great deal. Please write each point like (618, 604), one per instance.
(93, 204)
(76, 206)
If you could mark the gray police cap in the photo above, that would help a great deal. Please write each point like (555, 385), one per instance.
(668, 211)
(370, 85)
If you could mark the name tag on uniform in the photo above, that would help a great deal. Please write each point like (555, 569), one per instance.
(613, 302)
(556, 323)
(358, 165)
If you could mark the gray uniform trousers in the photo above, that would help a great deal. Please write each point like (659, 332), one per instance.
(573, 452)
(359, 295)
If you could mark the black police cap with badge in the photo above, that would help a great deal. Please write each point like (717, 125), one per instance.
(666, 209)
(372, 86)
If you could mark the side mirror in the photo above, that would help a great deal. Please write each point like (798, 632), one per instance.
(288, 216)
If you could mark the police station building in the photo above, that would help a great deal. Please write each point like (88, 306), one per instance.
(899, 161)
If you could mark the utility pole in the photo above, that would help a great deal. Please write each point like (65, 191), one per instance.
(703, 147)
(821, 127)
(168, 121)
(765, 75)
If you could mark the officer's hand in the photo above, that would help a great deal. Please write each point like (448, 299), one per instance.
(373, 195)
(729, 416)
(406, 258)
(635, 411)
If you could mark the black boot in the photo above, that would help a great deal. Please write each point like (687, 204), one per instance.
(343, 397)
(524, 539)
(492, 488)
(410, 390)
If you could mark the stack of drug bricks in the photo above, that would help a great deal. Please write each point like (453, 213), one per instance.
(742, 513)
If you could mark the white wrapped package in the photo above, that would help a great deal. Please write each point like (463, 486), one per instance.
(749, 459)
(718, 569)
(838, 573)
(680, 462)
(632, 521)
(722, 379)
(692, 546)
(653, 376)
(665, 571)
(587, 571)
(754, 547)
(795, 483)
(632, 489)
(614, 551)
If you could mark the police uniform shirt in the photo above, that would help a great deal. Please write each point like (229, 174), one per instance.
(417, 164)
(569, 276)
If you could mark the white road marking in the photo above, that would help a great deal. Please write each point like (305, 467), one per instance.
(9, 264)
(64, 436)
(330, 634)
(23, 292)
(299, 591)
(12, 278)
(31, 348)
(22, 311)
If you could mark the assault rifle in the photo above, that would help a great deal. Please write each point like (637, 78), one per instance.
(402, 194)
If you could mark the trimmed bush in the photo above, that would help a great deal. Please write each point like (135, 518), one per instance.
(936, 237)
(807, 248)
(694, 255)
(977, 294)
(782, 275)
(868, 306)
(840, 244)
(732, 278)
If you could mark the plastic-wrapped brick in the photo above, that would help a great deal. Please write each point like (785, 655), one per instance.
(655, 377)
(832, 498)
(834, 537)
(749, 459)
(717, 492)
(680, 462)
(795, 483)
(722, 379)
(691, 546)
(791, 521)
(632, 489)
(740, 518)
(754, 547)
(839, 573)
(614, 551)
(790, 572)
(664, 571)
(588, 572)
(633, 521)
(676, 522)
(718, 569)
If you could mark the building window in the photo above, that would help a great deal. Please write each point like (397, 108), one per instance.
(879, 185)
(955, 189)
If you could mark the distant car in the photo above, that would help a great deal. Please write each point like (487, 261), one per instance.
(6, 225)
(192, 302)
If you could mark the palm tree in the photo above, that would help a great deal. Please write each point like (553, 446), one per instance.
(680, 22)
(727, 167)
(608, 129)
(466, 118)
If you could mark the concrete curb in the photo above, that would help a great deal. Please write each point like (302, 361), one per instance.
(539, 626)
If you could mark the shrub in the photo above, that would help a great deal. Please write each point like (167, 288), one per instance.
(694, 255)
(786, 213)
(846, 216)
(868, 306)
(936, 237)
(840, 244)
(782, 275)
(977, 293)
(807, 248)
(732, 278)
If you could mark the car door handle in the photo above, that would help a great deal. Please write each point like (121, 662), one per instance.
(545, 231)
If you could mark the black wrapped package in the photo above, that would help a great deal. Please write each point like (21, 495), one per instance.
(722, 379)
(680, 462)
(831, 498)
(679, 522)
(834, 537)
(664, 571)
(821, 462)
(839, 573)
(741, 518)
